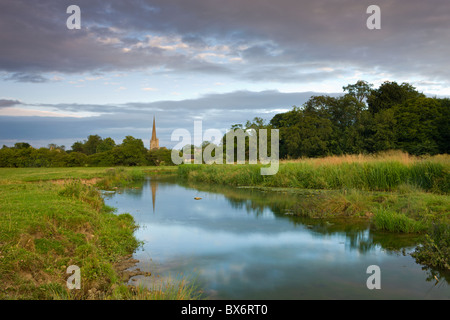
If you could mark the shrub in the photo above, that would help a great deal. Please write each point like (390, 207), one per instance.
(435, 248)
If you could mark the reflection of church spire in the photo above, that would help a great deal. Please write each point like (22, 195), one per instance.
(154, 186)
(154, 142)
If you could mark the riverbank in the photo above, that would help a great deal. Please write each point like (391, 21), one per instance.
(53, 218)
(394, 191)
(415, 191)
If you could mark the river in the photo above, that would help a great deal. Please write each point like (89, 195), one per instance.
(241, 243)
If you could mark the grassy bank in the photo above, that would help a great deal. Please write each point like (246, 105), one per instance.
(53, 218)
(362, 173)
(8, 175)
(396, 192)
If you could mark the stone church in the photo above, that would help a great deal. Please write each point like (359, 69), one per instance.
(154, 142)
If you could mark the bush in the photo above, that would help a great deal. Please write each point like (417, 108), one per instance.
(435, 248)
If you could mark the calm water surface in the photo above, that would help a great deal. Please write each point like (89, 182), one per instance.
(244, 244)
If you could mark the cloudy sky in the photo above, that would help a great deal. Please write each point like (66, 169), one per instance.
(222, 62)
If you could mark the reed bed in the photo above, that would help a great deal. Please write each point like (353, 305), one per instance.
(384, 172)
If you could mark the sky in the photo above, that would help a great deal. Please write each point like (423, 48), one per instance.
(222, 62)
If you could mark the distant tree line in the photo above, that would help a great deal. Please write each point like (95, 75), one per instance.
(363, 120)
(94, 151)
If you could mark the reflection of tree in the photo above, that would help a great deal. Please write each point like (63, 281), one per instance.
(437, 276)
(286, 203)
(355, 232)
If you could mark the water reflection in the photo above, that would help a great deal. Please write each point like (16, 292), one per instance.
(246, 244)
(154, 187)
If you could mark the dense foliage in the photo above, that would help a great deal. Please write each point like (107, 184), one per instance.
(366, 120)
(95, 151)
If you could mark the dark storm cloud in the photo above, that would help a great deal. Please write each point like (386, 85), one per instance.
(35, 39)
(275, 36)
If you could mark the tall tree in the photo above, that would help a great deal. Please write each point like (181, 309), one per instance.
(78, 146)
(417, 125)
(90, 146)
(443, 124)
(390, 94)
(106, 144)
(133, 151)
(21, 145)
(361, 90)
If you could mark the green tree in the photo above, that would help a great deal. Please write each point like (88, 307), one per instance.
(78, 147)
(383, 133)
(105, 159)
(6, 157)
(443, 124)
(106, 144)
(361, 90)
(417, 125)
(54, 146)
(282, 121)
(304, 133)
(160, 157)
(42, 158)
(90, 146)
(131, 152)
(21, 145)
(390, 94)
(76, 159)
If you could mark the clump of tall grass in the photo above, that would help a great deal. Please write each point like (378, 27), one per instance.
(184, 289)
(236, 175)
(386, 219)
(379, 175)
(389, 155)
(119, 177)
(86, 193)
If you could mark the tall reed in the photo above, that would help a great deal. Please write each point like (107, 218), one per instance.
(371, 175)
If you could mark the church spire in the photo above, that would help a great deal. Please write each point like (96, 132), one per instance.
(154, 142)
(154, 129)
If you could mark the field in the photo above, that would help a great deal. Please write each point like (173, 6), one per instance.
(51, 219)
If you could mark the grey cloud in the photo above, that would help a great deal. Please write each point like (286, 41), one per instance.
(217, 102)
(27, 77)
(4, 103)
(35, 39)
(414, 40)
(218, 111)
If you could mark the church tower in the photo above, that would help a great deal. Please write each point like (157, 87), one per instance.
(154, 142)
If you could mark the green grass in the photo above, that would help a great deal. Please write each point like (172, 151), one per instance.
(398, 193)
(45, 174)
(47, 225)
(389, 220)
(8, 175)
(371, 176)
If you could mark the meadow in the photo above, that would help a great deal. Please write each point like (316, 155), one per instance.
(51, 218)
